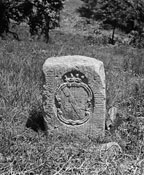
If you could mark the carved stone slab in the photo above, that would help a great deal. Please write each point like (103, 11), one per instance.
(74, 95)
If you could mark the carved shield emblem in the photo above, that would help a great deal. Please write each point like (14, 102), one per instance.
(73, 99)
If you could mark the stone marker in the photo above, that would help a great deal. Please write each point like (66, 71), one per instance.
(74, 95)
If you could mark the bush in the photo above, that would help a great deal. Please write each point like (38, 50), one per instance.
(134, 63)
(123, 14)
(40, 16)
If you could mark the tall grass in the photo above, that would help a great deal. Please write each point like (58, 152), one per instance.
(26, 152)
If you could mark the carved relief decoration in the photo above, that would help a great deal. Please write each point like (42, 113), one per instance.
(73, 99)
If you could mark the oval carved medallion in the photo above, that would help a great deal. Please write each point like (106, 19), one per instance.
(73, 99)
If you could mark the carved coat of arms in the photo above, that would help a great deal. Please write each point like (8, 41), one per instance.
(73, 99)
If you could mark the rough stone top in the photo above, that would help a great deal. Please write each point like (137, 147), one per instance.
(76, 61)
(72, 60)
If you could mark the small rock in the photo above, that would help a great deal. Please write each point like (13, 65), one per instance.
(110, 150)
(113, 112)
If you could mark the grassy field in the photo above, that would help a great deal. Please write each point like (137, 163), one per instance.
(25, 152)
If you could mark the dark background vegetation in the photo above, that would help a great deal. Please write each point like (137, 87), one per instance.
(24, 151)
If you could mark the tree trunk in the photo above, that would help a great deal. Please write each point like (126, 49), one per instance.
(47, 27)
(112, 38)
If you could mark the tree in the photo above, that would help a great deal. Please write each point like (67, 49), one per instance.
(40, 15)
(127, 15)
(5, 14)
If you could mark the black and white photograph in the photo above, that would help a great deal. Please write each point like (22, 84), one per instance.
(71, 87)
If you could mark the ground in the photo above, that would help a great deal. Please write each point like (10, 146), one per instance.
(23, 151)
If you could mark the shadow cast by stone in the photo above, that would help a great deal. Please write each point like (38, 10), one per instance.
(36, 121)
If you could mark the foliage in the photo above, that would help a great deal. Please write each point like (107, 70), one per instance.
(134, 63)
(130, 133)
(40, 16)
(127, 15)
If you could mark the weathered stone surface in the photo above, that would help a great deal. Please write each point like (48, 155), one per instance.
(74, 95)
(112, 117)
(113, 111)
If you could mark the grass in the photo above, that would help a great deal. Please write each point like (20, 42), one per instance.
(25, 152)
